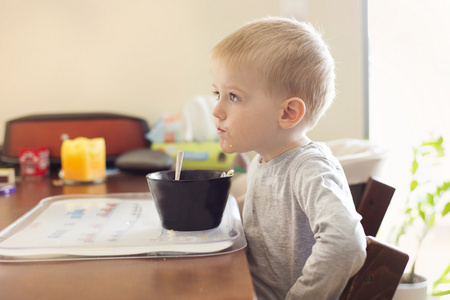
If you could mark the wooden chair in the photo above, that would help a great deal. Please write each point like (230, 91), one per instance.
(384, 265)
(371, 201)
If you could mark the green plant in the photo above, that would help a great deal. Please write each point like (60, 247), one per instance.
(427, 199)
(444, 280)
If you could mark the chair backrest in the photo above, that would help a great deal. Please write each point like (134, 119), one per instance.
(384, 265)
(371, 203)
(379, 276)
(121, 133)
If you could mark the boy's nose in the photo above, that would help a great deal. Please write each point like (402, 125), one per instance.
(218, 111)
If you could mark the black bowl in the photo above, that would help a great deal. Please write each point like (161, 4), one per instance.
(195, 202)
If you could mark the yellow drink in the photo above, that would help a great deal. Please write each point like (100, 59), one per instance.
(83, 159)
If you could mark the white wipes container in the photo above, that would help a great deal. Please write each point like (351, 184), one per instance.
(359, 158)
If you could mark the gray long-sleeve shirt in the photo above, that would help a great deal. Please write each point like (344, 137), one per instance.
(304, 236)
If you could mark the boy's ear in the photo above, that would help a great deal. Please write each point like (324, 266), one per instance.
(293, 111)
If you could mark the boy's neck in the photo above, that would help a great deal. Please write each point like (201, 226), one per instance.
(297, 143)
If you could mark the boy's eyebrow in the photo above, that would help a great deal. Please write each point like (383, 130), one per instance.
(232, 88)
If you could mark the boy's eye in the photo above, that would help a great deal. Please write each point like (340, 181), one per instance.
(217, 94)
(234, 98)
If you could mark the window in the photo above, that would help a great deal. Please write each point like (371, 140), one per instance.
(409, 95)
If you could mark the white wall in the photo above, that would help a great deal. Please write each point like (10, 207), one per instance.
(147, 57)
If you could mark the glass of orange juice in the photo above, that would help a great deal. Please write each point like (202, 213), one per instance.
(83, 160)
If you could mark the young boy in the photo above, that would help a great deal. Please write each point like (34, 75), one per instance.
(274, 78)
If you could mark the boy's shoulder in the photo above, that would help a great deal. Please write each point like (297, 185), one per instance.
(316, 156)
(312, 150)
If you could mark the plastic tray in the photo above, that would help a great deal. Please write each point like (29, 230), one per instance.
(72, 227)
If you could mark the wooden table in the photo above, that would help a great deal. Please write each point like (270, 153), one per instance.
(224, 276)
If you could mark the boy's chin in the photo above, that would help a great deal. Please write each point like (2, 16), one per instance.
(228, 151)
(227, 148)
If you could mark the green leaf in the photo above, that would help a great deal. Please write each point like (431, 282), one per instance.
(413, 185)
(441, 293)
(442, 188)
(414, 166)
(434, 144)
(442, 280)
(446, 209)
(431, 220)
(438, 146)
(430, 199)
(422, 214)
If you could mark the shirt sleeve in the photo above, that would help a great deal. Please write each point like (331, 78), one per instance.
(340, 242)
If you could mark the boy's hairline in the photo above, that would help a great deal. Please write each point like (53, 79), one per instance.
(252, 68)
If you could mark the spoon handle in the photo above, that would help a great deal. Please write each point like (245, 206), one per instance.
(178, 165)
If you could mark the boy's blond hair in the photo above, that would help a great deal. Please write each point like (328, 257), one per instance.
(292, 58)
